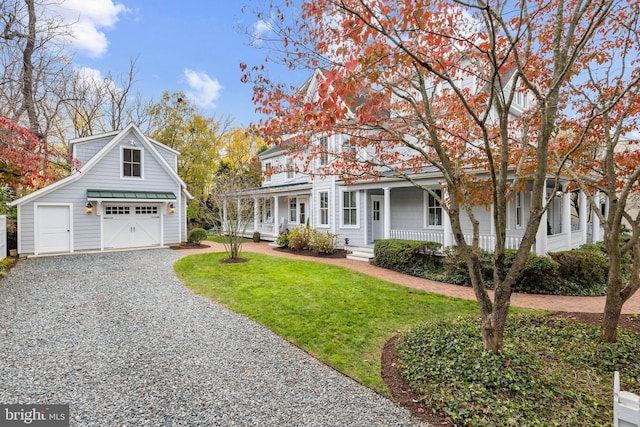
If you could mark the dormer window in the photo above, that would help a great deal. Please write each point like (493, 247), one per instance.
(521, 100)
(132, 162)
(324, 151)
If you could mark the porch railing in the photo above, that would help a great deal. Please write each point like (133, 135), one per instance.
(423, 236)
(485, 242)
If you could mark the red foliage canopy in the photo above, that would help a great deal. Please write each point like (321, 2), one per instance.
(28, 162)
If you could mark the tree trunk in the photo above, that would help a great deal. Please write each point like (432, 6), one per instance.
(612, 310)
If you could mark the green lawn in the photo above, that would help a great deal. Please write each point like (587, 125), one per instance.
(340, 316)
(224, 239)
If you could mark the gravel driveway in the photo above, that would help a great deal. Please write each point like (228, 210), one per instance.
(118, 337)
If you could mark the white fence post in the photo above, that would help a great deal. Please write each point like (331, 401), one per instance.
(626, 406)
(3, 236)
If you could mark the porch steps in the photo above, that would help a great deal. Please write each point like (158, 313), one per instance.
(360, 253)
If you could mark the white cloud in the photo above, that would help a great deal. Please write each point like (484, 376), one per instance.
(204, 90)
(89, 74)
(260, 28)
(87, 19)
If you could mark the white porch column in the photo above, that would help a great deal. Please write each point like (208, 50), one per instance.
(256, 214)
(582, 213)
(387, 213)
(566, 219)
(224, 216)
(446, 224)
(541, 236)
(276, 216)
(595, 220)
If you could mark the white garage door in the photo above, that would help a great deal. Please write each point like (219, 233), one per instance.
(53, 231)
(131, 226)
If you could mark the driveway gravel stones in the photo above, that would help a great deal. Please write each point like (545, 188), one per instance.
(119, 338)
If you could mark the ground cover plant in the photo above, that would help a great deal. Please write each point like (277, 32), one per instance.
(340, 316)
(553, 372)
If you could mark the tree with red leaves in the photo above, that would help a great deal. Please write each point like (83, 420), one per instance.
(478, 90)
(26, 162)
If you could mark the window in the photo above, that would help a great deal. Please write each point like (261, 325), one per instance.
(293, 205)
(521, 99)
(346, 144)
(303, 213)
(324, 151)
(116, 210)
(434, 210)
(349, 208)
(324, 208)
(519, 210)
(131, 162)
(146, 210)
(290, 171)
(376, 210)
(267, 172)
(267, 210)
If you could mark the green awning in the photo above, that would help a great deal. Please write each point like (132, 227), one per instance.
(134, 195)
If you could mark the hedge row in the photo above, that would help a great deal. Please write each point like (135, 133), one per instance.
(580, 271)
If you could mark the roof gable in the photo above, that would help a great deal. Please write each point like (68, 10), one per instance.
(112, 144)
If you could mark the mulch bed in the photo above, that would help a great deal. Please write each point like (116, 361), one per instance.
(189, 245)
(403, 395)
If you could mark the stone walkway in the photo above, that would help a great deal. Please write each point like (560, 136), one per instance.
(540, 302)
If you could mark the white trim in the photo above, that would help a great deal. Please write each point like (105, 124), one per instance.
(20, 229)
(36, 230)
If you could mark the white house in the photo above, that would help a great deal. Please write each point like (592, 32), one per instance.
(126, 194)
(391, 207)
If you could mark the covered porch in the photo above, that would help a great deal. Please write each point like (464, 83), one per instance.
(402, 211)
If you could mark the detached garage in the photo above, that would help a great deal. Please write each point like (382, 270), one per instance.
(127, 194)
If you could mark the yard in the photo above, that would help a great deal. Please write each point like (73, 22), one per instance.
(344, 318)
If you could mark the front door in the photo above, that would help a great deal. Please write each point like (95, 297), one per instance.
(377, 217)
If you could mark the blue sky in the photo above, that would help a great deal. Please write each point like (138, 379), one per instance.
(195, 46)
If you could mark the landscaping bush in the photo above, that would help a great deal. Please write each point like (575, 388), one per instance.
(300, 238)
(406, 256)
(539, 276)
(585, 270)
(324, 243)
(456, 271)
(283, 239)
(5, 264)
(197, 235)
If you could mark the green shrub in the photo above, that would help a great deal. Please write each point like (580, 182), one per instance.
(300, 238)
(456, 271)
(406, 256)
(197, 235)
(324, 243)
(585, 270)
(283, 239)
(540, 276)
